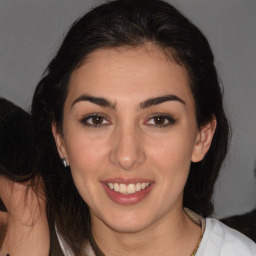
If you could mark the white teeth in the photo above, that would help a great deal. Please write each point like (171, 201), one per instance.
(122, 189)
(116, 187)
(138, 187)
(131, 189)
(128, 189)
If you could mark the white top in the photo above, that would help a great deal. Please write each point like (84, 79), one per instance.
(218, 240)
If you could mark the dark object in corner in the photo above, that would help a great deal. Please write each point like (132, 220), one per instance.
(245, 224)
(2, 206)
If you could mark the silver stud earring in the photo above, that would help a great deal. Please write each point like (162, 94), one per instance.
(64, 162)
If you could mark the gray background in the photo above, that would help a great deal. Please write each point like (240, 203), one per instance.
(31, 31)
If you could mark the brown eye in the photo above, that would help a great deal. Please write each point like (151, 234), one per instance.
(161, 120)
(95, 120)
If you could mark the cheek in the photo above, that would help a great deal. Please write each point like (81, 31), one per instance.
(85, 157)
(172, 159)
(173, 150)
(83, 150)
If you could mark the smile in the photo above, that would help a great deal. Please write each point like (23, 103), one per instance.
(127, 189)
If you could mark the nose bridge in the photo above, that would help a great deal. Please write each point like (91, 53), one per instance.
(127, 151)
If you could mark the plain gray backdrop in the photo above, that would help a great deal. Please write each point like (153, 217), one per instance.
(32, 30)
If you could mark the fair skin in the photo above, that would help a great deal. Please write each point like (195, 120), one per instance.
(143, 131)
(27, 226)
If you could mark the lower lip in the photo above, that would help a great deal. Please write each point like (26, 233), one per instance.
(127, 199)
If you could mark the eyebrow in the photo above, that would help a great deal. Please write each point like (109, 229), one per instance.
(95, 100)
(158, 100)
(102, 102)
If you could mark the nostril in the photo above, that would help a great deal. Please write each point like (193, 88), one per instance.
(127, 161)
(2, 206)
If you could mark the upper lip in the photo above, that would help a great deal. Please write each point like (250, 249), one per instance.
(126, 180)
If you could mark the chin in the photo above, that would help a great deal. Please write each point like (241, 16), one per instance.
(127, 222)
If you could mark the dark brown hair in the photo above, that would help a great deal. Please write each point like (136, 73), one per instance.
(18, 150)
(129, 23)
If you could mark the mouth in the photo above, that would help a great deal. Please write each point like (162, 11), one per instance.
(127, 192)
(128, 189)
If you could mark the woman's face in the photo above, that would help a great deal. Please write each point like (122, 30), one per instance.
(129, 135)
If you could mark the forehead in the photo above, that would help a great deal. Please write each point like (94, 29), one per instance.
(125, 73)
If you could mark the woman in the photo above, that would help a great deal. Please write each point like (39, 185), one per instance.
(23, 223)
(133, 104)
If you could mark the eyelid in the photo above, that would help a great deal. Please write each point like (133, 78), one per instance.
(84, 120)
(168, 117)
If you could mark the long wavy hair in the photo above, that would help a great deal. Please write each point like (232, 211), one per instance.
(129, 23)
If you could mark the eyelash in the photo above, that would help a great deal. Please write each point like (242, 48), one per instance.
(165, 117)
(84, 120)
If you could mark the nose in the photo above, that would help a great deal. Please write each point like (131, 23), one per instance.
(127, 150)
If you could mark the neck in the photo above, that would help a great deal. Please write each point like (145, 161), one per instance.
(174, 234)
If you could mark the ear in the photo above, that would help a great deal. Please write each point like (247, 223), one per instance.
(60, 143)
(203, 140)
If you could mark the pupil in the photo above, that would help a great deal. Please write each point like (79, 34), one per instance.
(159, 120)
(97, 120)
